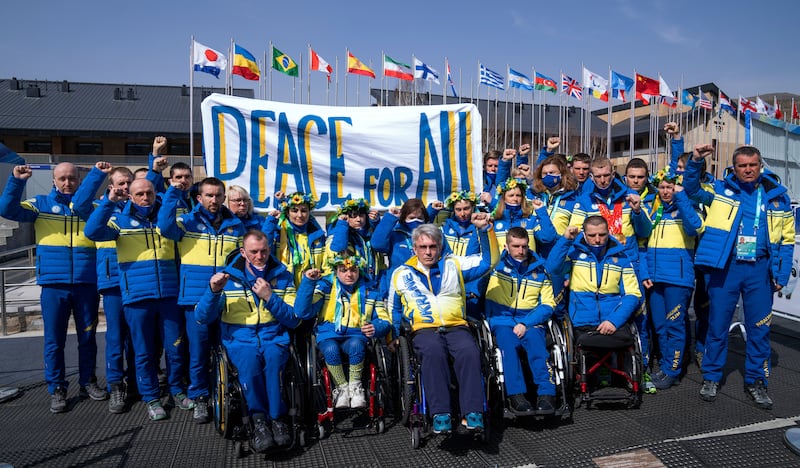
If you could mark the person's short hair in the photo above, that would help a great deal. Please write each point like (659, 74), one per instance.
(212, 181)
(638, 163)
(141, 170)
(411, 205)
(492, 154)
(427, 230)
(180, 165)
(582, 157)
(258, 234)
(595, 220)
(684, 158)
(242, 192)
(121, 170)
(602, 162)
(517, 232)
(746, 151)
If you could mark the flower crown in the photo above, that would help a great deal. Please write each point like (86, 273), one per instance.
(298, 198)
(456, 197)
(352, 261)
(351, 205)
(667, 175)
(510, 184)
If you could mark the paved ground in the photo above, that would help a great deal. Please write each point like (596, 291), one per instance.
(672, 428)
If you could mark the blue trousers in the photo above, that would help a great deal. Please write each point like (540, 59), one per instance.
(200, 337)
(668, 312)
(701, 306)
(59, 301)
(642, 324)
(353, 346)
(534, 343)
(119, 346)
(260, 365)
(433, 348)
(752, 281)
(147, 319)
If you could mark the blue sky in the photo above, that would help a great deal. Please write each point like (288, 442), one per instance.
(744, 47)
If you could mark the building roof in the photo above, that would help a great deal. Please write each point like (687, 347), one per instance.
(61, 107)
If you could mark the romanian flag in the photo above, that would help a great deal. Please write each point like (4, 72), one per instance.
(355, 67)
(244, 64)
(284, 63)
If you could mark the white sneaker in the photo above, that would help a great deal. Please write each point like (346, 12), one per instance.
(357, 399)
(341, 397)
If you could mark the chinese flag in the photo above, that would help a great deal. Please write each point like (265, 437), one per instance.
(646, 88)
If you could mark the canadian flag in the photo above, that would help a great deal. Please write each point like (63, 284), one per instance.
(319, 64)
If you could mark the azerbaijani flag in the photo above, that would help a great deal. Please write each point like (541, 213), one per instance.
(355, 66)
(244, 64)
(544, 83)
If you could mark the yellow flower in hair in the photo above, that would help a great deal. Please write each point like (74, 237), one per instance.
(511, 184)
(298, 198)
(353, 261)
(456, 197)
(353, 205)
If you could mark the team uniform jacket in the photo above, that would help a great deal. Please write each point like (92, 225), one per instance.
(540, 228)
(360, 307)
(147, 266)
(703, 197)
(414, 299)
(514, 297)
(670, 248)
(724, 217)
(203, 249)
(64, 255)
(598, 290)
(311, 245)
(342, 238)
(463, 241)
(245, 316)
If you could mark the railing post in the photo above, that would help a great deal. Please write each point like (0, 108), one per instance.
(3, 300)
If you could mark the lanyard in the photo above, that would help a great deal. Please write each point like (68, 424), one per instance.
(757, 214)
(553, 207)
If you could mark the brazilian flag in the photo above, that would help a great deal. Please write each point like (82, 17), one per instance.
(284, 63)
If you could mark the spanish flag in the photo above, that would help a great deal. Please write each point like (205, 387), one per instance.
(244, 64)
(355, 67)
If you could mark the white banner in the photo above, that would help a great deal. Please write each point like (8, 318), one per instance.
(383, 154)
(786, 302)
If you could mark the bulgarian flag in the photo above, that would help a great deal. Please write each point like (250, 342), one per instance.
(395, 69)
(355, 66)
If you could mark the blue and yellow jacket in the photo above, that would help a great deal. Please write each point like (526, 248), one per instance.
(343, 239)
(515, 296)
(599, 290)
(306, 251)
(670, 248)
(463, 241)
(64, 255)
(147, 265)
(416, 299)
(202, 248)
(340, 313)
(540, 229)
(245, 316)
(703, 197)
(84, 204)
(252, 221)
(724, 216)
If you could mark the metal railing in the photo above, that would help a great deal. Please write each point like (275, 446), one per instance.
(30, 249)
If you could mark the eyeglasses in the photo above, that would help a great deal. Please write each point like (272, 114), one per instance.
(238, 200)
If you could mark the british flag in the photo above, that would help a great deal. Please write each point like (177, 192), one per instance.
(571, 87)
(746, 105)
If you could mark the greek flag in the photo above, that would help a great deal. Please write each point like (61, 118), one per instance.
(490, 78)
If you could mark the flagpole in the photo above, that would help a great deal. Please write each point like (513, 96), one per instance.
(229, 81)
(308, 76)
(300, 77)
(445, 81)
(633, 111)
(191, 105)
(336, 86)
(383, 78)
(609, 93)
(505, 113)
(347, 55)
(533, 107)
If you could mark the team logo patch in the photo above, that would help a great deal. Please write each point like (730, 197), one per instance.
(230, 230)
(775, 204)
(594, 206)
(563, 203)
(134, 223)
(499, 225)
(728, 192)
(201, 227)
(582, 256)
(56, 209)
(614, 259)
(506, 270)
(238, 285)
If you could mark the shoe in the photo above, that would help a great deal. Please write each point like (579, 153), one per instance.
(341, 397)
(758, 392)
(708, 391)
(519, 403)
(200, 414)
(180, 400)
(604, 377)
(116, 404)
(261, 439)
(280, 432)
(442, 423)
(92, 391)
(649, 386)
(662, 381)
(545, 405)
(357, 399)
(474, 421)
(156, 411)
(58, 400)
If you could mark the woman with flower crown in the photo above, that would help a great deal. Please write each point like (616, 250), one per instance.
(348, 314)
(514, 209)
(670, 272)
(296, 238)
(351, 234)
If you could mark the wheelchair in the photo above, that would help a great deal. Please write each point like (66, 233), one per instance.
(558, 361)
(230, 408)
(374, 380)
(413, 410)
(618, 358)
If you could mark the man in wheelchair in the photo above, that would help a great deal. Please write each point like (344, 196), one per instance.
(519, 302)
(254, 296)
(427, 292)
(348, 314)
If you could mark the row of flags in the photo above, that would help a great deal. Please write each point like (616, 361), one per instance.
(647, 90)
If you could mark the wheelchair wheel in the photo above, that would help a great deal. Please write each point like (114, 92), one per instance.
(416, 435)
(407, 384)
(219, 393)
